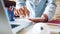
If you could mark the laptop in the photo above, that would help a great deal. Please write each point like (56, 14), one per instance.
(5, 27)
(10, 27)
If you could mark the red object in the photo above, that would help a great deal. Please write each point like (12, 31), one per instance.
(55, 21)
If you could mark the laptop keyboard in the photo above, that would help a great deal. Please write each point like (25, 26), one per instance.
(14, 25)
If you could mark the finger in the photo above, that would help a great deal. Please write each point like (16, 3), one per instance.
(26, 12)
(18, 12)
(15, 13)
(22, 8)
(21, 11)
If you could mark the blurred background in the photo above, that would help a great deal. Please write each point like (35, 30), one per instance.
(57, 13)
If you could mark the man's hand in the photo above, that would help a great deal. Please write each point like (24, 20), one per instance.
(43, 18)
(23, 11)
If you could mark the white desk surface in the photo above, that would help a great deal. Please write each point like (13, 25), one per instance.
(53, 27)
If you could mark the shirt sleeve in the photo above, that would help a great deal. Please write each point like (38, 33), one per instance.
(20, 3)
(50, 8)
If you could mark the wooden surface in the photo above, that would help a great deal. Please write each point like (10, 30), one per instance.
(57, 13)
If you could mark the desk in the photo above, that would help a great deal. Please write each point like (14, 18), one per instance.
(54, 29)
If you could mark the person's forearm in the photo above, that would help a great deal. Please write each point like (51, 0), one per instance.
(44, 18)
(38, 20)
